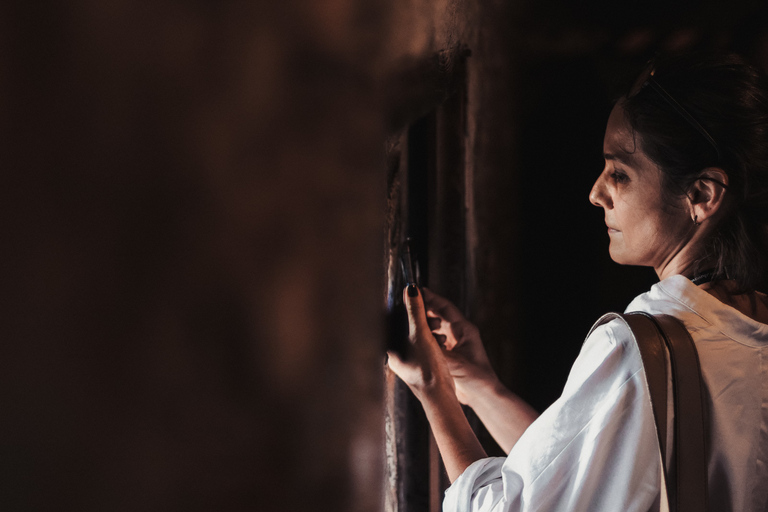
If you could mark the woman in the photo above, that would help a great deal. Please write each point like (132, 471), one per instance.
(685, 191)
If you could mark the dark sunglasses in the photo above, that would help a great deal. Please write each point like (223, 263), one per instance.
(647, 80)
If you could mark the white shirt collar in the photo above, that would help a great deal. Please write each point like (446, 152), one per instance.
(727, 319)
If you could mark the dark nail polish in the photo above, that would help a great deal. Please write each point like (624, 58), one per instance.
(413, 291)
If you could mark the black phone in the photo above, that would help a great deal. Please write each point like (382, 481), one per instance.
(397, 319)
(409, 264)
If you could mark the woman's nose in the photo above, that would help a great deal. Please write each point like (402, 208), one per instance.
(598, 196)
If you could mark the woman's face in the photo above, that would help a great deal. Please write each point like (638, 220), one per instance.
(644, 229)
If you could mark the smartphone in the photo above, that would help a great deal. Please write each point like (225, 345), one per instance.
(397, 318)
(408, 264)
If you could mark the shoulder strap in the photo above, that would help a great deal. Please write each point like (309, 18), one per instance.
(654, 355)
(686, 482)
(688, 474)
(690, 420)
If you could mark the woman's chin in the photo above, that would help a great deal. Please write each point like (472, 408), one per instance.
(618, 256)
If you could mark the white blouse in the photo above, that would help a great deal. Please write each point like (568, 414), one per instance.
(595, 448)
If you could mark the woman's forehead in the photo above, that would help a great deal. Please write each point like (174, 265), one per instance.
(620, 140)
(623, 144)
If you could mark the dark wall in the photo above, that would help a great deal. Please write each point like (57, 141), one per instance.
(191, 208)
(193, 230)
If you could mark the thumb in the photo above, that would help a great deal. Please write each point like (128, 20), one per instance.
(417, 318)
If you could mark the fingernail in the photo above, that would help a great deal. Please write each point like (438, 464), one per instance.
(413, 291)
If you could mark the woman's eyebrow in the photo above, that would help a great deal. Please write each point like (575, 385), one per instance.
(624, 159)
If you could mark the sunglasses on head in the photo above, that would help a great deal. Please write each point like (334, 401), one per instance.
(647, 80)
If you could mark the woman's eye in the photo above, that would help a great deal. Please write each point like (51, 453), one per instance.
(619, 177)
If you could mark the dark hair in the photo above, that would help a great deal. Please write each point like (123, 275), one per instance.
(729, 100)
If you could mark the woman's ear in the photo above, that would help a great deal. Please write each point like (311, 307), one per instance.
(707, 194)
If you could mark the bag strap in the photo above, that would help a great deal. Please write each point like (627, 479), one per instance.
(653, 352)
(687, 475)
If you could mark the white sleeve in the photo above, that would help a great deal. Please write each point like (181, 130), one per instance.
(595, 449)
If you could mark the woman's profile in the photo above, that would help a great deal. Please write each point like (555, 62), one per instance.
(684, 190)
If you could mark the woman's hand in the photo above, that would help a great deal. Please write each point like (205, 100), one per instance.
(426, 372)
(453, 364)
(425, 369)
(504, 414)
(466, 357)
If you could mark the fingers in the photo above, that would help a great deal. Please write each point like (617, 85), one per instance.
(440, 314)
(434, 321)
(435, 317)
(441, 306)
(417, 318)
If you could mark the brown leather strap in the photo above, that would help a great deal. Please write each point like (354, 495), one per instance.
(687, 478)
(690, 424)
(654, 356)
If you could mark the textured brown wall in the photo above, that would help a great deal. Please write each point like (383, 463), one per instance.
(193, 226)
